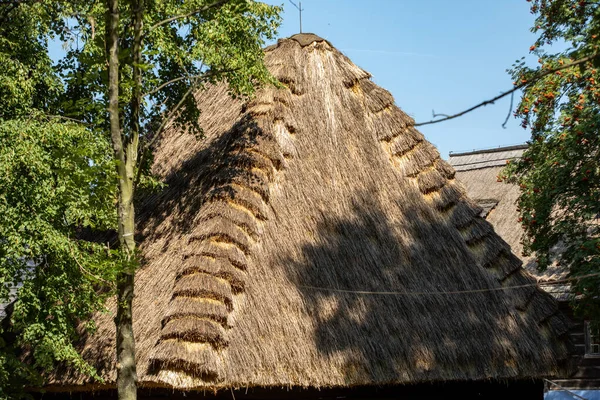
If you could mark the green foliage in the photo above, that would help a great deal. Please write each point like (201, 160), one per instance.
(559, 174)
(25, 68)
(14, 374)
(167, 50)
(189, 44)
(57, 168)
(57, 184)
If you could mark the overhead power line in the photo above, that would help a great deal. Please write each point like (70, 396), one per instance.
(451, 292)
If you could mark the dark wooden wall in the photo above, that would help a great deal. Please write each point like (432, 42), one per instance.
(587, 371)
(516, 390)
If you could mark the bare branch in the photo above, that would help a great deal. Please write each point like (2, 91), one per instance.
(191, 77)
(159, 130)
(512, 98)
(199, 10)
(170, 116)
(435, 115)
(181, 78)
(517, 87)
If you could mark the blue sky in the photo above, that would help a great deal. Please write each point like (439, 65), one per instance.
(437, 55)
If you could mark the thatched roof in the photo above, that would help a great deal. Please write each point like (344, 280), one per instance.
(479, 171)
(293, 202)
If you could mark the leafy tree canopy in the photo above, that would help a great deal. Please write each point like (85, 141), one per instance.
(185, 46)
(61, 147)
(559, 174)
(57, 181)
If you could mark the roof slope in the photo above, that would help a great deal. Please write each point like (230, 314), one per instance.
(290, 200)
(478, 159)
(479, 171)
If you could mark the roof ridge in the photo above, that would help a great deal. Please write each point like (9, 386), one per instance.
(303, 39)
(490, 150)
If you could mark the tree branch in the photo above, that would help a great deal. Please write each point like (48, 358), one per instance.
(170, 115)
(68, 119)
(159, 130)
(520, 86)
(512, 98)
(170, 82)
(191, 77)
(86, 272)
(199, 10)
(112, 44)
(435, 115)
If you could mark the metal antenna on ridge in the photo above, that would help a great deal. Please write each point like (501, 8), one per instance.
(300, 9)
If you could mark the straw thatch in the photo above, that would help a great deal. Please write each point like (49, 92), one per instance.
(479, 171)
(290, 201)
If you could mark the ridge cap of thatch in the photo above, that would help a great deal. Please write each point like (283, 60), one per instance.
(489, 150)
(303, 39)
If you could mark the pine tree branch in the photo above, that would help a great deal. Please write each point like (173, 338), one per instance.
(517, 87)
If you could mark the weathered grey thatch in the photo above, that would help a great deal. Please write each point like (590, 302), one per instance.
(479, 171)
(478, 159)
(306, 192)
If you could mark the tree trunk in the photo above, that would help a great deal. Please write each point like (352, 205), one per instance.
(126, 370)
